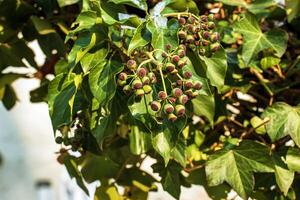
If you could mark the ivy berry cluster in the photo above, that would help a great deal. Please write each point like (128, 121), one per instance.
(171, 86)
(199, 34)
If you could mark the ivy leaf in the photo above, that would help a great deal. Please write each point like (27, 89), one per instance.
(163, 35)
(85, 20)
(255, 40)
(216, 67)
(293, 159)
(139, 141)
(140, 38)
(171, 181)
(102, 80)
(62, 3)
(42, 26)
(166, 141)
(284, 177)
(236, 166)
(72, 168)
(205, 106)
(90, 60)
(107, 192)
(141, 4)
(284, 120)
(292, 9)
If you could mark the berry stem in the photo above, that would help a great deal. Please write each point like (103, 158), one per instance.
(144, 62)
(179, 76)
(162, 79)
(186, 14)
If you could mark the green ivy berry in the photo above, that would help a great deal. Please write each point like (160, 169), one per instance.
(141, 72)
(122, 76)
(215, 47)
(211, 25)
(182, 21)
(181, 63)
(162, 95)
(203, 18)
(190, 38)
(188, 84)
(181, 53)
(137, 84)
(172, 99)
(147, 89)
(168, 108)
(127, 89)
(146, 80)
(176, 92)
(155, 106)
(197, 85)
(175, 59)
(182, 34)
(121, 83)
(170, 67)
(172, 117)
(139, 92)
(131, 64)
(187, 74)
(179, 110)
(211, 17)
(183, 99)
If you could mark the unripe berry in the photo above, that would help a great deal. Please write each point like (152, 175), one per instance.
(172, 117)
(196, 29)
(206, 35)
(214, 37)
(155, 106)
(191, 20)
(170, 67)
(190, 38)
(164, 54)
(197, 43)
(139, 92)
(203, 18)
(197, 85)
(211, 25)
(215, 47)
(147, 89)
(168, 46)
(202, 51)
(182, 34)
(179, 110)
(188, 85)
(172, 99)
(176, 92)
(162, 95)
(205, 43)
(183, 99)
(175, 58)
(141, 72)
(182, 46)
(131, 64)
(211, 17)
(181, 63)
(137, 84)
(168, 108)
(188, 74)
(122, 76)
(121, 83)
(182, 21)
(179, 82)
(58, 140)
(190, 28)
(127, 89)
(146, 80)
(181, 53)
(189, 93)
(195, 94)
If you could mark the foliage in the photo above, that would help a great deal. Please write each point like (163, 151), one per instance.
(209, 89)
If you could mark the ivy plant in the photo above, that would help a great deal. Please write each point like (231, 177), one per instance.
(208, 89)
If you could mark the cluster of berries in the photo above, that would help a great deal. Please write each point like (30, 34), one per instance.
(178, 86)
(136, 80)
(199, 35)
(75, 141)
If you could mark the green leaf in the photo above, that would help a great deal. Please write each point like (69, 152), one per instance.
(90, 60)
(62, 3)
(256, 123)
(107, 192)
(141, 4)
(283, 120)
(268, 62)
(42, 26)
(292, 9)
(163, 35)
(72, 168)
(236, 166)
(98, 168)
(216, 67)
(9, 98)
(171, 182)
(205, 106)
(85, 20)
(284, 177)
(293, 159)
(140, 38)
(255, 40)
(165, 142)
(102, 80)
(139, 141)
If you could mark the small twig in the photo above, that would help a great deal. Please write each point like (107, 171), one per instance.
(245, 134)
